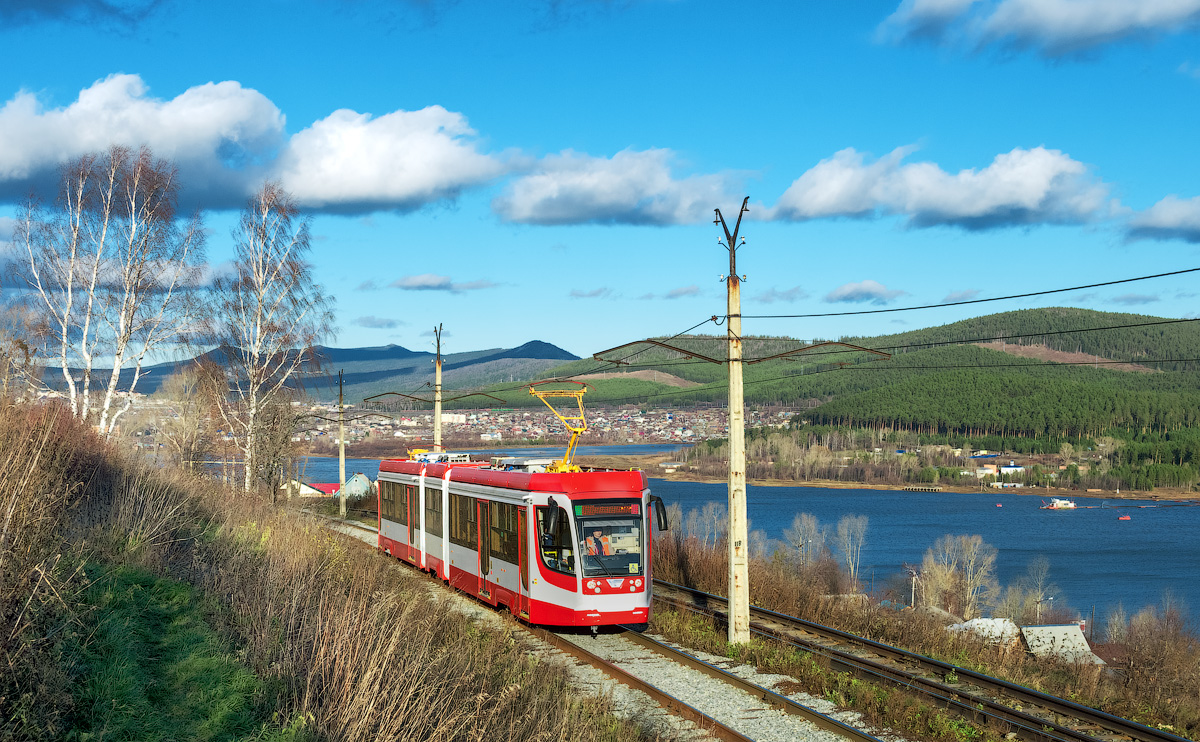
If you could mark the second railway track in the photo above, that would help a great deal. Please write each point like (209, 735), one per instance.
(1028, 714)
(1007, 708)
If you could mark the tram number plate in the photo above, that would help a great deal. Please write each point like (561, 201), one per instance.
(615, 583)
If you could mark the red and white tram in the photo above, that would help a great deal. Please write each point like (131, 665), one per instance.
(555, 548)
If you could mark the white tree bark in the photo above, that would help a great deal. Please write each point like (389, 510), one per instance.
(266, 318)
(108, 265)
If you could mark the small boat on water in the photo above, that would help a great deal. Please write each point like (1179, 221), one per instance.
(1124, 517)
(1058, 503)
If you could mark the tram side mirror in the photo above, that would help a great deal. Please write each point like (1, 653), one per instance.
(551, 523)
(661, 511)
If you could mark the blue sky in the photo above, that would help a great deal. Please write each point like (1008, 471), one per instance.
(521, 170)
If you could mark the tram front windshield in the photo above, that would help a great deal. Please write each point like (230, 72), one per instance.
(610, 539)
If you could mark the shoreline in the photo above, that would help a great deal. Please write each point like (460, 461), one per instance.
(649, 462)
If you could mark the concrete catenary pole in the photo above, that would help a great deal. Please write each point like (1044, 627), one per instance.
(341, 449)
(739, 579)
(437, 391)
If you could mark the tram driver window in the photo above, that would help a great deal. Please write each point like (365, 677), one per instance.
(556, 548)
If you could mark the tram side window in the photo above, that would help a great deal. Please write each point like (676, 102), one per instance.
(433, 511)
(557, 551)
(410, 494)
(387, 497)
(462, 521)
(504, 531)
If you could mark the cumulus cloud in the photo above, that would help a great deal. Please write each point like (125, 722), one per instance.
(683, 291)
(964, 295)
(227, 139)
(219, 134)
(1021, 187)
(1054, 27)
(601, 293)
(372, 322)
(352, 163)
(770, 296)
(867, 291)
(1170, 218)
(1130, 299)
(434, 282)
(631, 187)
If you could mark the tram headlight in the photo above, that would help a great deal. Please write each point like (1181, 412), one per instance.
(591, 584)
(638, 582)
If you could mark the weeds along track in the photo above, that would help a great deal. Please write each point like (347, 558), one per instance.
(1010, 708)
(716, 702)
(721, 703)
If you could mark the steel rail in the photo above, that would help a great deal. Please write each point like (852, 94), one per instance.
(1028, 726)
(667, 701)
(768, 696)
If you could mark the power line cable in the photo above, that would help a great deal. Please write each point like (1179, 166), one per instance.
(940, 343)
(972, 301)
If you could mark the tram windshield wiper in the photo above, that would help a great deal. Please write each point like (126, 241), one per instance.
(600, 562)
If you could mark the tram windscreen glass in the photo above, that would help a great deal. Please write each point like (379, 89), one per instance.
(610, 545)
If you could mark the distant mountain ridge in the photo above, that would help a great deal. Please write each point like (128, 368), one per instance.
(378, 369)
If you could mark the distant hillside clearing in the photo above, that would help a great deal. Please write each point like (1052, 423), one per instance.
(1043, 353)
(646, 375)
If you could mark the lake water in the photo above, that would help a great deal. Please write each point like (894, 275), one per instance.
(1095, 559)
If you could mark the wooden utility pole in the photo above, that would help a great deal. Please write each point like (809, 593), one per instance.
(437, 391)
(341, 449)
(739, 579)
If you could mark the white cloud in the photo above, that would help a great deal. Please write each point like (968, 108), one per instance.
(1021, 187)
(964, 295)
(434, 282)
(226, 139)
(770, 296)
(217, 133)
(630, 187)
(1170, 218)
(351, 162)
(1129, 299)
(8, 226)
(372, 322)
(683, 291)
(601, 293)
(1053, 26)
(862, 292)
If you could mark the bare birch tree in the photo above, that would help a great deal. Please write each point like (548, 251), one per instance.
(851, 533)
(266, 318)
(185, 428)
(112, 269)
(806, 537)
(969, 566)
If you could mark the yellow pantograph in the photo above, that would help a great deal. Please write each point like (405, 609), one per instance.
(575, 423)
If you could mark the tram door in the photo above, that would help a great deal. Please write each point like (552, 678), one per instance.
(523, 560)
(414, 518)
(485, 541)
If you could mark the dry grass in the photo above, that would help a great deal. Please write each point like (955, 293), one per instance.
(347, 647)
(1154, 672)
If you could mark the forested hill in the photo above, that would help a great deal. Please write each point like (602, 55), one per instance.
(1025, 327)
(953, 388)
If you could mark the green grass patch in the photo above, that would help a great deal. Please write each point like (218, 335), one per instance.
(154, 669)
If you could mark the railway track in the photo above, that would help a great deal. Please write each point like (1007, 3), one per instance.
(1013, 709)
(739, 711)
(718, 701)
